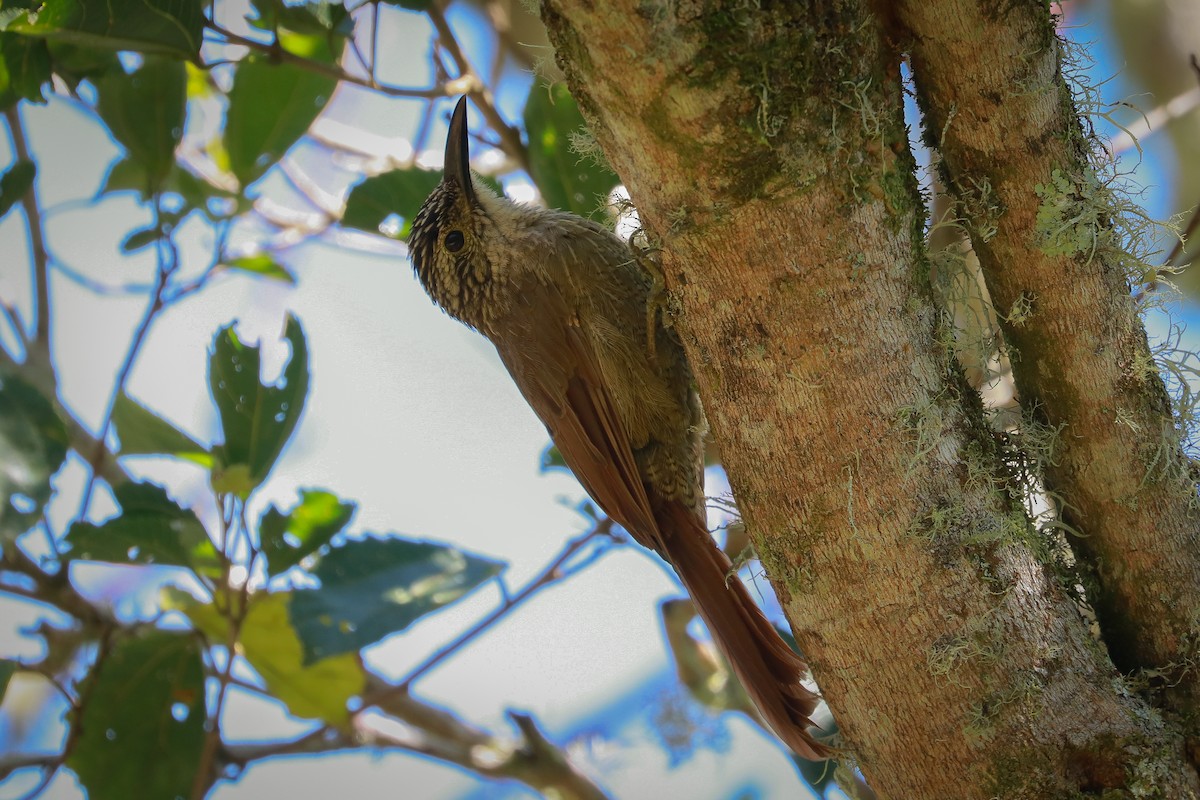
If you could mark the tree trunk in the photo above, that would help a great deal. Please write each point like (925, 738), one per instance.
(1045, 224)
(766, 152)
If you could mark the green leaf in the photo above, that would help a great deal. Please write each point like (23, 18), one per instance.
(151, 529)
(24, 69)
(15, 183)
(565, 180)
(73, 63)
(271, 106)
(552, 459)
(400, 192)
(142, 432)
(141, 731)
(289, 539)
(166, 27)
(7, 668)
(317, 690)
(322, 18)
(138, 239)
(145, 112)
(33, 446)
(263, 265)
(256, 419)
(371, 588)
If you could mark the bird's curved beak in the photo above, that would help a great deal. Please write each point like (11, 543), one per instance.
(458, 151)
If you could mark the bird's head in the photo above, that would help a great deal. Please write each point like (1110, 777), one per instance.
(447, 243)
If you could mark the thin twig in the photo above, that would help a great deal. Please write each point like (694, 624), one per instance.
(478, 91)
(331, 71)
(552, 573)
(37, 240)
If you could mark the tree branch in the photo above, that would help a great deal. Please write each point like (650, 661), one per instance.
(37, 241)
(477, 90)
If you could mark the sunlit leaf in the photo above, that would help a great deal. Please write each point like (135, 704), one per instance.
(166, 27)
(271, 105)
(145, 112)
(318, 690)
(33, 445)
(151, 529)
(401, 192)
(371, 588)
(256, 419)
(141, 731)
(142, 432)
(565, 180)
(15, 183)
(262, 265)
(287, 539)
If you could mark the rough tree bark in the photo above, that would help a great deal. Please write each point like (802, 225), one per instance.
(765, 149)
(1080, 355)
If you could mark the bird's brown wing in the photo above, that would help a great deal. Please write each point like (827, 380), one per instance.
(556, 370)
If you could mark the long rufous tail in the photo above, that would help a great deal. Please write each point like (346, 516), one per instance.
(768, 669)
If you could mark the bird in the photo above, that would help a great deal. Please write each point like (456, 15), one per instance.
(566, 303)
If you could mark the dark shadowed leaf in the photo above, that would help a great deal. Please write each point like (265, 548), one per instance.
(166, 27)
(322, 17)
(317, 690)
(145, 112)
(262, 265)
(7, 668)
(371, 588)
(142, 432)
(398, 192)
(151, 529)
(24, 69)
(15, 183)
(565, 180)
(141, 731)
(411, 5)
(73, 62)
(33, 445)
(136, 240)
(256, 419)
(272, 105)
(287, 539)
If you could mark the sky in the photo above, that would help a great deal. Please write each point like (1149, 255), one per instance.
(411, 416)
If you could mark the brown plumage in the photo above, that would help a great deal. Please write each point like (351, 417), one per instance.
(565, 303)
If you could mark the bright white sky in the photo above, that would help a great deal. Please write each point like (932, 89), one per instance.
(411, 416)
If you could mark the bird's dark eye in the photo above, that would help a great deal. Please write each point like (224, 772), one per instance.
(454, 241)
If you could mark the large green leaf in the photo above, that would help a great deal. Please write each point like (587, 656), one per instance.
(142, 432)
(166, 27)
(257, 419)
(15, 183)
(400, 192)
(565, 180)
(318, 690)
(24, 68)
(151, 529)
(271, 105)
(371, 588)
(141, 731)
(287, 539)
(145, 112)
(33, 445)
